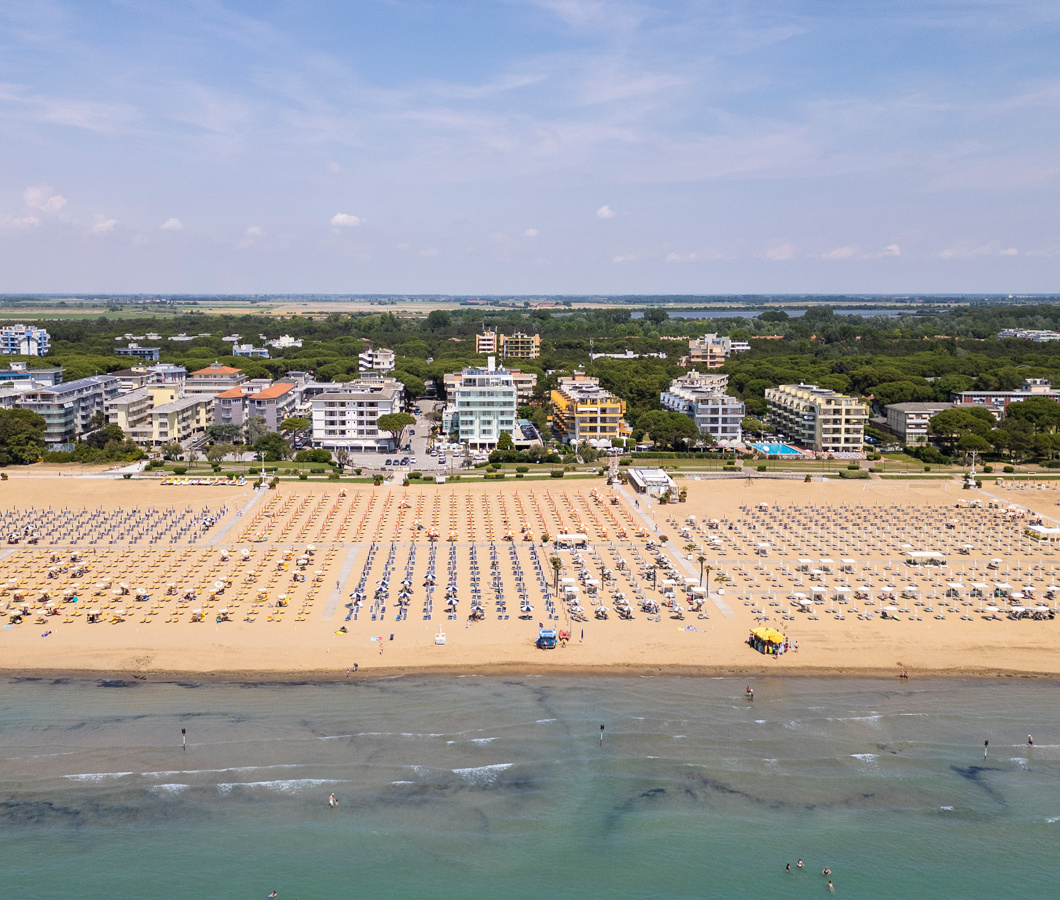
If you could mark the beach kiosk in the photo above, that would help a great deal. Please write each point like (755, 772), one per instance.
(917, 558)
(767, 640)
(571, 539)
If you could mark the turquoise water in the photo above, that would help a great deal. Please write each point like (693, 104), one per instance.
(776, 449)
(477, 787)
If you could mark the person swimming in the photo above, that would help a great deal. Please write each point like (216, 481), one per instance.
(799, 864)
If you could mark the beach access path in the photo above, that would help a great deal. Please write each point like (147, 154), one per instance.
(344, 576)
(715, 598)
(258, 494)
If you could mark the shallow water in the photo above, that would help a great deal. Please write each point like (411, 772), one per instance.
(467, 787)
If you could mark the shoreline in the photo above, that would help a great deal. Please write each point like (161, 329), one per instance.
(490, 670)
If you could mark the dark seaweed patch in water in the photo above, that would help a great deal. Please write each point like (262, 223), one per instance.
(115, 683)
(974, 774)
(38, 812)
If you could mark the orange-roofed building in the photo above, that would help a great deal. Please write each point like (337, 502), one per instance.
(274, 404)
(214, 379)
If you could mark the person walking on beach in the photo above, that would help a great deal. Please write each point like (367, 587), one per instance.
(986, 747)
(1030, 740)
(750, 693)
(184, 738)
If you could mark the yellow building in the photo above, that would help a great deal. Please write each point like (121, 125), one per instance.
(584, 411)
(180, 420)
(520, 346)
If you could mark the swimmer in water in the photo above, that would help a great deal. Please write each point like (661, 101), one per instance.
(332, 801)
(826, 871)
(273, 894)
(831, 888)
(799, 864)
(787, 867)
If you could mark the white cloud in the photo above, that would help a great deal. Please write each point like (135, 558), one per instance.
(101, 224)
(345, 220)
(780, 253)
(531, 233)
(605, 212)
(847, 252)
(334, 168)
(253, 233)
(430, 252)
(172, 225)
(43, 198)
(890, 250)
(967, 251)
(17, 223)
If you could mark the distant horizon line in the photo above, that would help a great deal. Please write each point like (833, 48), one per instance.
(683, 298)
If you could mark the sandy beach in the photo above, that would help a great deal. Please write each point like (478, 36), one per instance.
(306, 581)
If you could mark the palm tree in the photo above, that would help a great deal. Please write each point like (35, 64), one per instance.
(690, 547)
(557, 564)
(701, 559)
(706, 584)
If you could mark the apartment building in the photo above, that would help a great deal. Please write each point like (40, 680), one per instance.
(583, 411)
(997, 401)
(702, 398)
(486, 343)
(180, 420)
(250, 351)
(514, 346)
(711, 351)
(131, 412)
(483, 406)
(376, 359)
(909, 421)
(24, 340)
(20, 375)
(68, 408)
(148, 354)
(213, 380)
(524, 382)
(346, 418)
(520, 346)
(274, 404)
(817, 418)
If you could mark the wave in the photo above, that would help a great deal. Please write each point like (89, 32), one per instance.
(97, 777)
(168, 772)
(285, 785)
(482, 775)
(168, 788)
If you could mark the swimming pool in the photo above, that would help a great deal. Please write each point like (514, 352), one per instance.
(777, 450)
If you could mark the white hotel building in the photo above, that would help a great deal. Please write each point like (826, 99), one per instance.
(703, 399)
(483, 406)
(345, 419)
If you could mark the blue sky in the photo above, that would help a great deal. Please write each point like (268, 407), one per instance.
(529, 146)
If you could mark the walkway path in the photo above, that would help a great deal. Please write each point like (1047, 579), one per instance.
(343, 577)
(238, 517)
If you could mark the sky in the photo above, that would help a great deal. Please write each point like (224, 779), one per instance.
(529, 147)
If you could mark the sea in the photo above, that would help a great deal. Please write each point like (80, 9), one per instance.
(529, 787)
(792, 312)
